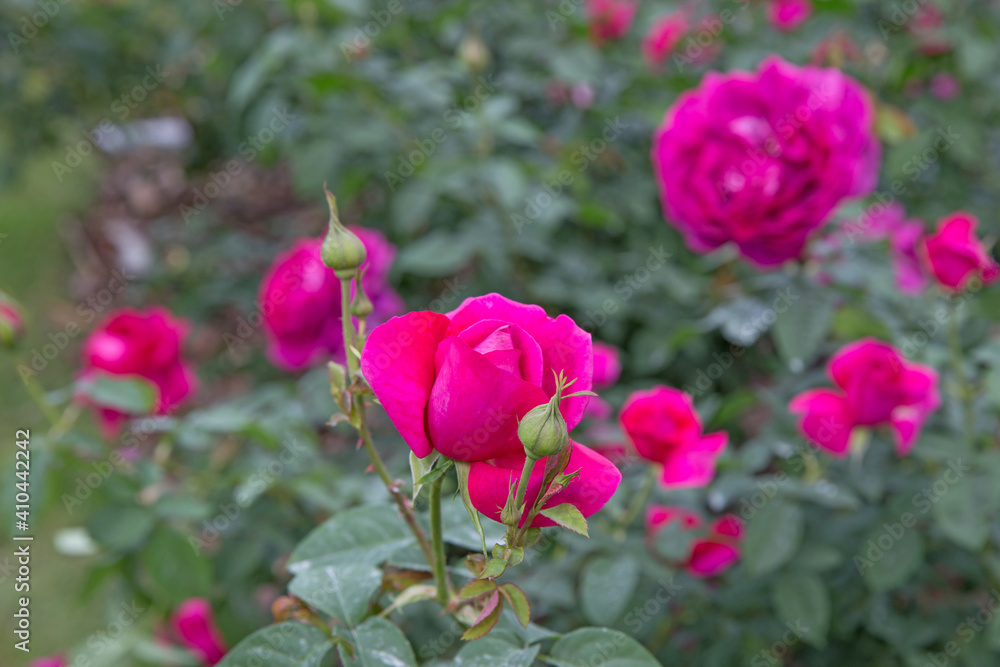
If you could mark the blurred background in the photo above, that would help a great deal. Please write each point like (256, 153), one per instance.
(175, 148)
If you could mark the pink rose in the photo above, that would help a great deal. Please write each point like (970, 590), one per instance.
(904, 235)
(50, 661)
(710, 555)
(761, 159)
(459, 383)
(300, 300)
(926, 26)
(610, 19)
(787, 15)
(490, 482)
(11, 321)
(662, 38)
(663, 427)
(954, 255)
(144, 344)
(195, 626)
(876, 385)
(944, 86)
(607, 368)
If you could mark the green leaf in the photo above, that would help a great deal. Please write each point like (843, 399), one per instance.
(961, 514)
(803, 325)
(594, 647)
(494, 568)
(494, 652)
(462, 468)
(289, 644)
(418, 468)
(487, 619)
(890, 555)
(130, 394)
(773, 536)
(176, 570)
(518, 602)
(435, 474)
(804, 603)
(607, 584)
(567, 516)
(120, 528)
(378, 643)
(342, 589)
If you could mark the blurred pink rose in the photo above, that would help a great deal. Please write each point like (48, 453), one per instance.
(607, 367)
(883, 222)
(195, 626)
(662, 38)
(610, 19)
(944, 86)
(926, 26)
(144, 344)
(11, 321)
(459, 383)
(787, 15)
(710, 555)
(761, 159)
(663, 427)
(50, 661)
(876, 385)
(954, 255)
(300, 301)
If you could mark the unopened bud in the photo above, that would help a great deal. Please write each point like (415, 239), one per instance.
(11, 321)
(342, 250)
(361, 306)
(473, 52)
(543, 430)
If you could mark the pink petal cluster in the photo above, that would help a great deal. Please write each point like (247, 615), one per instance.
(663, 427)
(610, 20)
(876, 386)
(787, 15)
(662, 38)
(761, 159)
(904, 236)
(954, 255)
(459, 383)
(710, 555)
(144, 344)
(300, 301)
(194, 624)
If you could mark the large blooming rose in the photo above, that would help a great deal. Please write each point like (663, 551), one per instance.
(194, 624)
(714, 552)
(300, 300)
(761, 159)
(876, 385)
(955, 256)
(663, 427)
(144, 344)
(459, 383)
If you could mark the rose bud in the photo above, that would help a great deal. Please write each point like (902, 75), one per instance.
(342, 250)
(543, 430)
(195, 627)
(11, 321)
(955, 256)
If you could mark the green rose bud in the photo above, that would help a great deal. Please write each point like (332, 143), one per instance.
(543, 430)
(342, 250)
(361, 306)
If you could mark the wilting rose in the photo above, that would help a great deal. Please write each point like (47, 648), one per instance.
(787, 15)
(459, 383)
(954, 255)
(300, 301)
(490, 482)
(195, 626)
(663, 427)
(662, 38)
(876, 386)
(713, 553)
(11, 321)
(610, 19)
(761, 159)
(144, 344)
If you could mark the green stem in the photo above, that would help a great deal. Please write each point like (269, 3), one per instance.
(961, 379)
(522, 486)
(38, 396)
(348, 325)
(437, 542)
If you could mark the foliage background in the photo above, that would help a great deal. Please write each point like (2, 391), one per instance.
(464, 225)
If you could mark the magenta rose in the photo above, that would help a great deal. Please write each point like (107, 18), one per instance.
(711, 554)
(144, 344)
(610, 19)
(954, 255)
(662, 38)
(194, 624)
(50, 661)
(300, 301)
(876, 385)
(787, 15)
(459, 383)
(11, 321)
(663, 427)
(761, 159)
